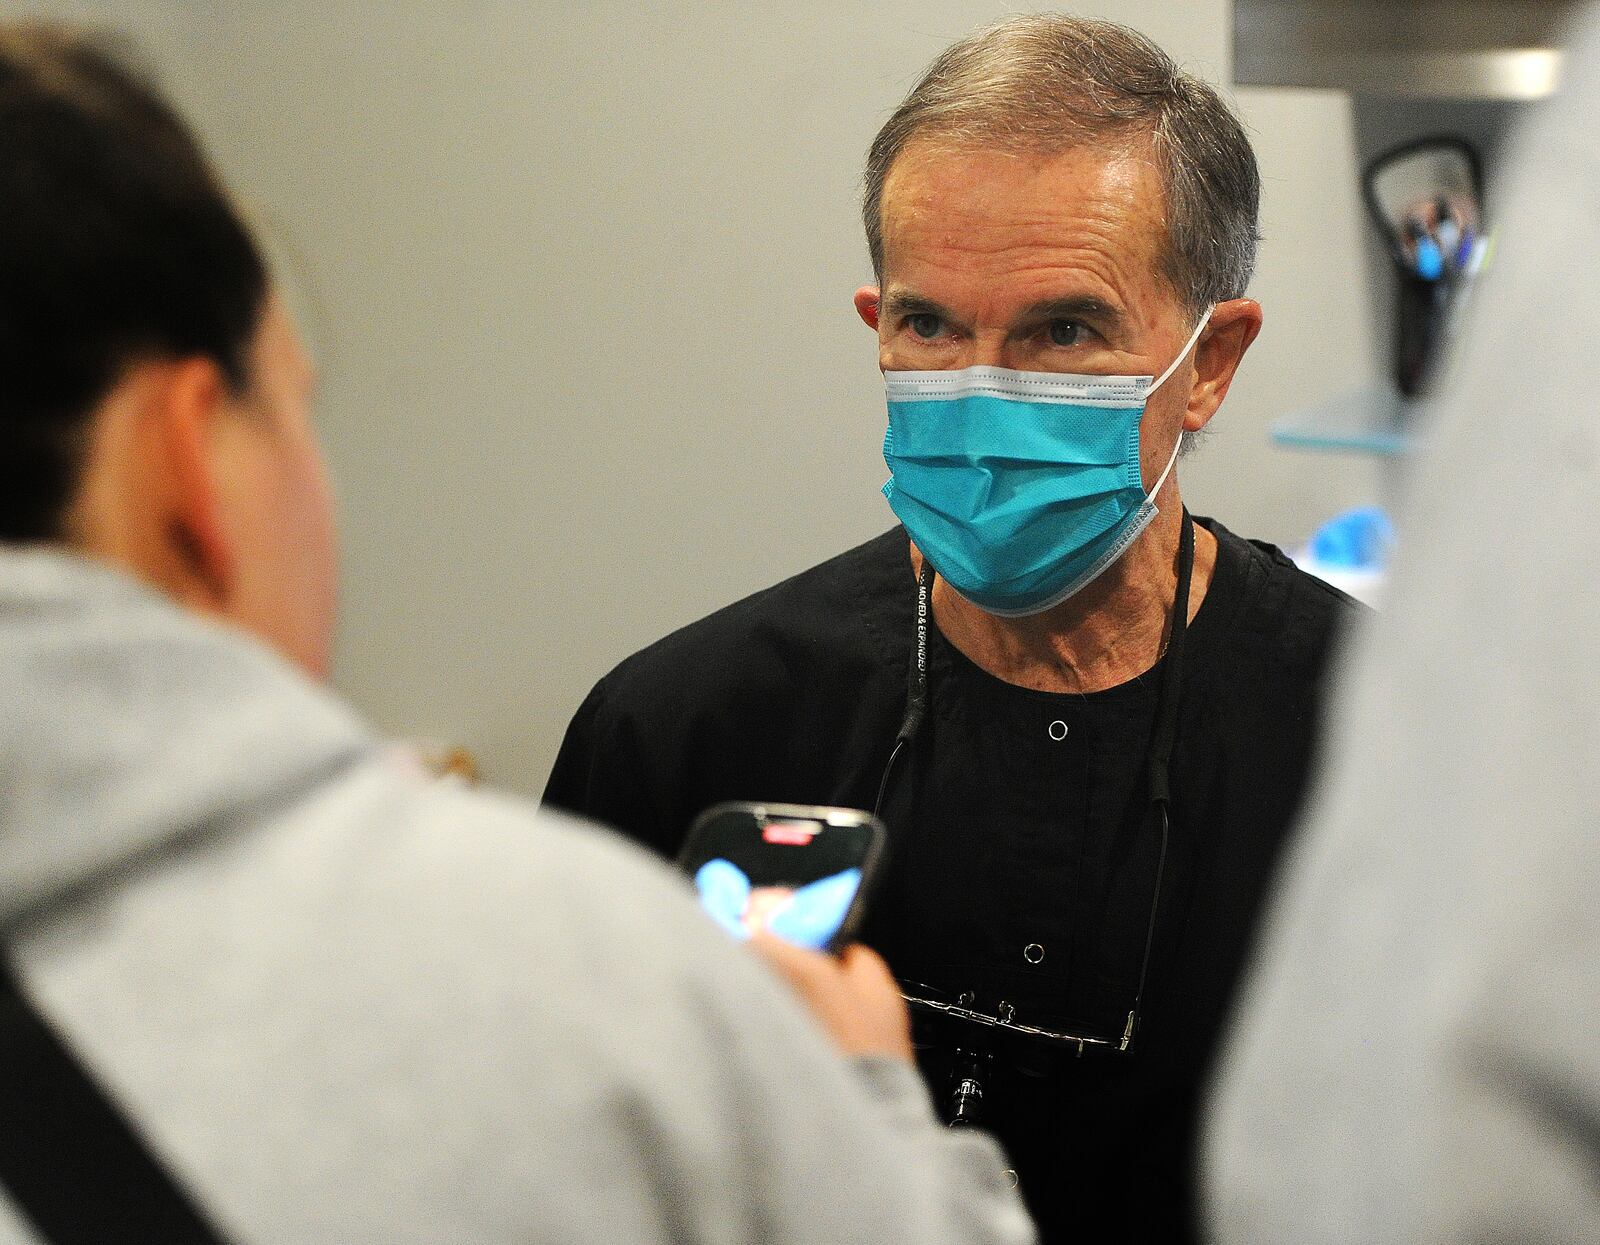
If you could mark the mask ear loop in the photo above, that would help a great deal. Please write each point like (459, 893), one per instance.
(1161, 380)
(1183, 354)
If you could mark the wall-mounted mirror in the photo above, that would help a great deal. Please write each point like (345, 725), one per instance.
(1426, 200)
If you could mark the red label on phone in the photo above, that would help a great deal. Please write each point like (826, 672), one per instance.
(793, 833)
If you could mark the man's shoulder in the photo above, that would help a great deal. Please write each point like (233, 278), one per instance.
(714, 710)
(835, 613)
(1276, 610)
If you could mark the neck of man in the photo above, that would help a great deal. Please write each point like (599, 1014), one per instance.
(1112, 631)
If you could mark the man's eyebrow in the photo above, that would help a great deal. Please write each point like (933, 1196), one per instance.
(900, 303)
(1082, 307)
(904, 303)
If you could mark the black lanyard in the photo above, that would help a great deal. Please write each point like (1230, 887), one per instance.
(1158, 759)
(69, 1158)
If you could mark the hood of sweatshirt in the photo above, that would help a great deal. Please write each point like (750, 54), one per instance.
(127, 723)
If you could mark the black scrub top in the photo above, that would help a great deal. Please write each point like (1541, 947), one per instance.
(1021, 851)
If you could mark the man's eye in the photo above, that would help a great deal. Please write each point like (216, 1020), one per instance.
(925, 324)
(1065, 332)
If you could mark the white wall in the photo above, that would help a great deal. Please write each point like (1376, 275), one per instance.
(585, 276)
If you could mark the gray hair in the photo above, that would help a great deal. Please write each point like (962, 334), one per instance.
(1049, 83)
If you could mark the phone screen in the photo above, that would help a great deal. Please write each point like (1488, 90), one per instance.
(794, 871)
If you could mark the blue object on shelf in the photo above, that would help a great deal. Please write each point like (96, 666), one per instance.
(1357, 540)
(1351, 551)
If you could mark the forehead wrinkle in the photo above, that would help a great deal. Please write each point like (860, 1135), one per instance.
(1097, 224)
(979, 206)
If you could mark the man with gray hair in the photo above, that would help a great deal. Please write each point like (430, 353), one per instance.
(1085, 717)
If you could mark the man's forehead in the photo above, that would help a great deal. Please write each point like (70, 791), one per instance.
(973, 206)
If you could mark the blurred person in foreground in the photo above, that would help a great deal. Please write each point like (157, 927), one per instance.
(1416, 1059)
(335, 1000)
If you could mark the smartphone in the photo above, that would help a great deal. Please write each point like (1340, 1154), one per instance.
(800, 871)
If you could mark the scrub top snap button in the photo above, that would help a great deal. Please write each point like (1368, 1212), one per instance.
(1033, 953)
(1058, 730)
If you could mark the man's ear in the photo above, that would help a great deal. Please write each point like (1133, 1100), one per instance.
(1234, 325)
(866, 301)
(189, 407)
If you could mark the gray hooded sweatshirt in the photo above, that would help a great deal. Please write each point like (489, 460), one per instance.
(345, 1002)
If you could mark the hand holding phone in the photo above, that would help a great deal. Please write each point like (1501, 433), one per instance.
(852, 996)
(793, 880)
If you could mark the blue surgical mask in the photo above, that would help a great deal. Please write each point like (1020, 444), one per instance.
(1020, 488)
